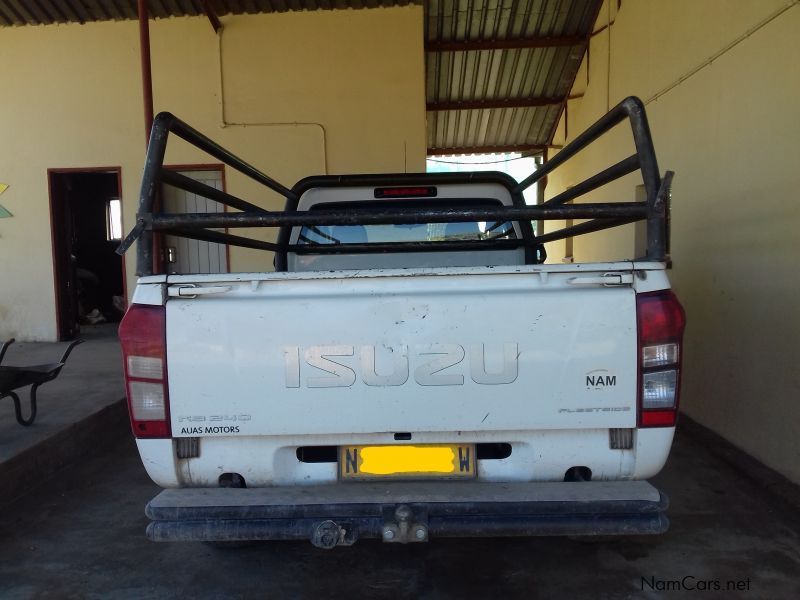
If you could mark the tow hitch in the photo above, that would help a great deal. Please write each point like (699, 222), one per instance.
(404, 526)
(327, 535)
(401, 525)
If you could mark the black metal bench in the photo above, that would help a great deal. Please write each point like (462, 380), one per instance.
(12, 378)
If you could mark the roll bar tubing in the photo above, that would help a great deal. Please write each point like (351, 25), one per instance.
(601, 215)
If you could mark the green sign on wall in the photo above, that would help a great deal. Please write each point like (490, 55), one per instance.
(3, 210)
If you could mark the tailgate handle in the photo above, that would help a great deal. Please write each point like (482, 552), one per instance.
(192, 291)
(609, 279)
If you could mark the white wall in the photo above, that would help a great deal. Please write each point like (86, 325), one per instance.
(729, 128)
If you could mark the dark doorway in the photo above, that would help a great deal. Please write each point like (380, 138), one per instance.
(85, 210)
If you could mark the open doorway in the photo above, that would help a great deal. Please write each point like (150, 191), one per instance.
(86, 223)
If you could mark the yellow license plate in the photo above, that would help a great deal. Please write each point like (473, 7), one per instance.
(442, 461)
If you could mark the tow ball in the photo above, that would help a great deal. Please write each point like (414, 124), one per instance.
(405, 527)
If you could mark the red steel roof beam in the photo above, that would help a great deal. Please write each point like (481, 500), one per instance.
(498, 103)
(212, 15)
(508, 44)
(487, 149)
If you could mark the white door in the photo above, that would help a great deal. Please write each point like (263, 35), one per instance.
(193, 256)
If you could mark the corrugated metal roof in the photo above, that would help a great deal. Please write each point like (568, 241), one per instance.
(38, 12)
(507, 19)
(537, 75)
(497, 71)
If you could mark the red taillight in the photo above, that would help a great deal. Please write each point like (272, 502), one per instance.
(144, 354)
(661, 321)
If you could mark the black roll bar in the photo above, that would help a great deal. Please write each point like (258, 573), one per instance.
(601, 215)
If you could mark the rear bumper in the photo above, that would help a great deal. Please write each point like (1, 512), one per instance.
(339, 514)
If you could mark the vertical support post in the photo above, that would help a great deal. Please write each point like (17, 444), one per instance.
(153, 243)
(540, 190)
(148, 254)
(147, 76)
(656, 211)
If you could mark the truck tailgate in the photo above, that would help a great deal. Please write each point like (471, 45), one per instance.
(361, 352)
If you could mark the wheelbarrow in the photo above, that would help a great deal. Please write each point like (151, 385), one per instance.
(12, 378)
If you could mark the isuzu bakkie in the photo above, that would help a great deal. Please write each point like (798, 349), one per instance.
(406, 366)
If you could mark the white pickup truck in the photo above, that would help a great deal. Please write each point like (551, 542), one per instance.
(411, 369)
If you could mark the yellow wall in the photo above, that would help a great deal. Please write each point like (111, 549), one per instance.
(304, 93)
(729, 130)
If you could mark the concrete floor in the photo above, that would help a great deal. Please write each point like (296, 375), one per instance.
(80, 533)
(89, 384)
(82, 536)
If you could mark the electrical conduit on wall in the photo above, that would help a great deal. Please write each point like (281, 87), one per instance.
(225, 123)
(724, 50)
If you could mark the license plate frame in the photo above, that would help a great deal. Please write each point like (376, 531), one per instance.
(378, 462)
